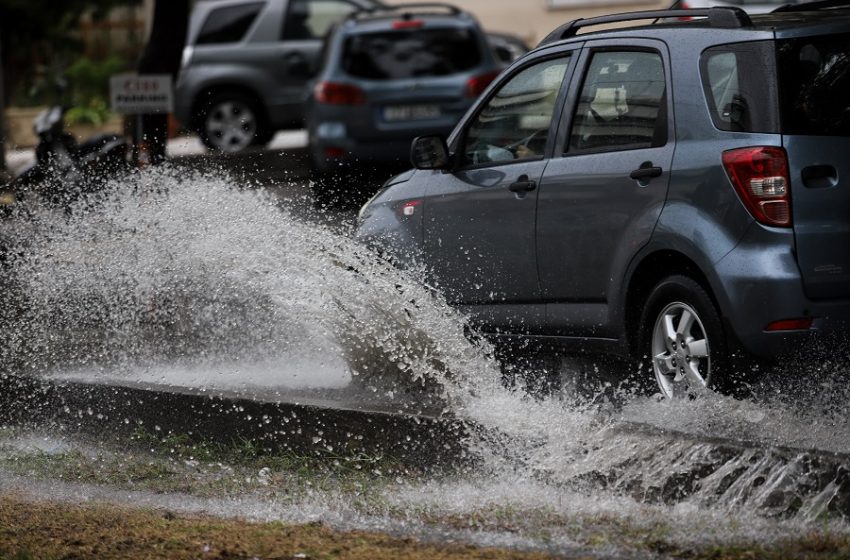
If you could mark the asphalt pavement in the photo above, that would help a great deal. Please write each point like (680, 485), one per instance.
(181, 148)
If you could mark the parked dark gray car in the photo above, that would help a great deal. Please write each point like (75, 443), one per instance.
(247, 63)
(676, 192)
(388, 76)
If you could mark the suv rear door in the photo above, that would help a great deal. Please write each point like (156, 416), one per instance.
(814, 75)
(601, 197)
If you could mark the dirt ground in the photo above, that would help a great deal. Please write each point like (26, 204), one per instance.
(60, 531)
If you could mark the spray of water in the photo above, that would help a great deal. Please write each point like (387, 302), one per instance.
(184, 268)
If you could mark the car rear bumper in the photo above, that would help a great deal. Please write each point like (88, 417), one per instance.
(830, 321)
(328, 155)
(761, 285)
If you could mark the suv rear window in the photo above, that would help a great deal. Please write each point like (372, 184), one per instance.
(814, 80)
(738, 80)
(410, 53)
(229, 25)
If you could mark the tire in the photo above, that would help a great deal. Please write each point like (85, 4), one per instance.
(682, 339)
(232, 122)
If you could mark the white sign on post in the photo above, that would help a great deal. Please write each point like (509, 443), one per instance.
(147, 94)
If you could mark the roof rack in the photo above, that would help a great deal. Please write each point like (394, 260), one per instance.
(806, 6)
(405, 11)
(725, 17)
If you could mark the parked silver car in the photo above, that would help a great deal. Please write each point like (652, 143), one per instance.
(388, 76)
(247, 63)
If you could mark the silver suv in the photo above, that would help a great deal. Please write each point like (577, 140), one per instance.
(677, 192)
(247, 63)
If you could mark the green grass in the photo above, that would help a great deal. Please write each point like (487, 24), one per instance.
(175, 463)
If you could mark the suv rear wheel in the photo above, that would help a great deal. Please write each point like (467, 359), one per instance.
(231, 122)
(682, 335)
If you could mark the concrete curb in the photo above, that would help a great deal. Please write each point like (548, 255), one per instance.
(123, 411)
(648, 464)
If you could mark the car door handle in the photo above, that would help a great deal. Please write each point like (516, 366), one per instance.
(646, 171)
(522, 185)
(820, 176)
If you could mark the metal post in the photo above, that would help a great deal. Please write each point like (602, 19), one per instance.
(139, 141)
(2, 115)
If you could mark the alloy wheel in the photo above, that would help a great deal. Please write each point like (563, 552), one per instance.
(681, 355)
(231, 126)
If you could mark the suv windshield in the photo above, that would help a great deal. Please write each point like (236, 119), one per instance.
(410, 53)
(814, 78)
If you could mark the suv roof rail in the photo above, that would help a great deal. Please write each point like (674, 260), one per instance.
(725, 17)
(806, 6)
(406, 11)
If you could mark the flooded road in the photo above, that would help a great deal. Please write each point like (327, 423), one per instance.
(196, 280)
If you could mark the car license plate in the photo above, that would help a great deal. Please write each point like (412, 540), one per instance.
(396, 113)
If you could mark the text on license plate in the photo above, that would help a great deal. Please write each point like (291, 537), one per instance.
(411, 112)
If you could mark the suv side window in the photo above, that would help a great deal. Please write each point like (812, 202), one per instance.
(739, 85)
(514, 123)
(622, 104)
(228, 25)
(312, 19)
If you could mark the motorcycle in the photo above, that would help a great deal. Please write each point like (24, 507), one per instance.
(65, 170)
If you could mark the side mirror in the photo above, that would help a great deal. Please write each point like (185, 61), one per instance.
(429, 152)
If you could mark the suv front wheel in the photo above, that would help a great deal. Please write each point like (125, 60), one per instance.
(682, 334)
(231, 122)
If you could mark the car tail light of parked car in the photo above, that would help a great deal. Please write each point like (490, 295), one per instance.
(760, 175)
(476, 86)
(334, 93)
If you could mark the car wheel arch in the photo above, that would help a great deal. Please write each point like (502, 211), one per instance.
(644, 275)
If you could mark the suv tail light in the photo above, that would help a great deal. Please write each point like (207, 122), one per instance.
(333, 93)
(475, 86)
(760, 175)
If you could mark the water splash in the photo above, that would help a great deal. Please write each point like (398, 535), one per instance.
(172, 272)
(180, 267)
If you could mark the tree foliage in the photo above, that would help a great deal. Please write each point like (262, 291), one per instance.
(37, 32)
